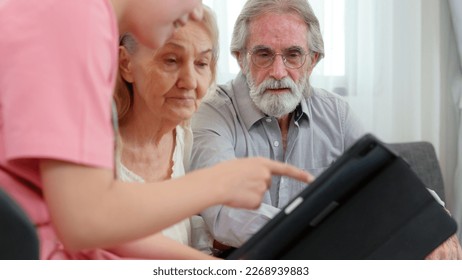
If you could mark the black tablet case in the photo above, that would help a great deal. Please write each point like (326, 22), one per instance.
(368, 205)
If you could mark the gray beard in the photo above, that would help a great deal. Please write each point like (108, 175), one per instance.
(277, 105)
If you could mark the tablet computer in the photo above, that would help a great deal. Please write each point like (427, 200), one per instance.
(369, 204)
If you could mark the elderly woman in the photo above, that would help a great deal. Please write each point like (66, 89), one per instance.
(156, 95)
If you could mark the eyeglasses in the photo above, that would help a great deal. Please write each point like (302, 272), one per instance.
(293, 58)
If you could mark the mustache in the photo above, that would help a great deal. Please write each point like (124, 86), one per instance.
(272, 83)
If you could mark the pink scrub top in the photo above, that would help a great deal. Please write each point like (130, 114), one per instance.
(57, 73)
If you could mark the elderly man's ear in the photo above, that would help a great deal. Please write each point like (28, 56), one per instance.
(314, 56)
(240, 60)
(125, 65)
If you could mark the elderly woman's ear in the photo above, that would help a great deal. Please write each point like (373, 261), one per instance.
(125, 64)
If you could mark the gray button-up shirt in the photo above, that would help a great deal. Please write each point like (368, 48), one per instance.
(228, 125)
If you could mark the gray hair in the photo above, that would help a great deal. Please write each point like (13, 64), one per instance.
(254, 8)
(123, 94)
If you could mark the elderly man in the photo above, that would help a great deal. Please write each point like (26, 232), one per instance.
(271, 110)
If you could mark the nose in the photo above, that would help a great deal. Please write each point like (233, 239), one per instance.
(278, 68)
(187, 78)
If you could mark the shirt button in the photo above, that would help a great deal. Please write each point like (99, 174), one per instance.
(276, 143)
(268, 119)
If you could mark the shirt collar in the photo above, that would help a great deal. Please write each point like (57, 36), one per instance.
(303, 109)
(250, 112)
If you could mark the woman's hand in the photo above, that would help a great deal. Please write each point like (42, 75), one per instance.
(243, 182)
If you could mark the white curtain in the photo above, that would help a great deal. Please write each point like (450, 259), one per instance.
(396, 62)
(401, 64)
(456, 12)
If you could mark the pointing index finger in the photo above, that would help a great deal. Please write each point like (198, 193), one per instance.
(284, 169)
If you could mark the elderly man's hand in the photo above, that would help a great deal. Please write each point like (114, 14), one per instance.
(449, 250)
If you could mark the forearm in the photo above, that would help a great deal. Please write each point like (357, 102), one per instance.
(89, 209)
(233, 227)
(159, 247)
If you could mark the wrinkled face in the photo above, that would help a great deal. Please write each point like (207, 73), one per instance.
(172, 80)
(153, 21)
(277, 89)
